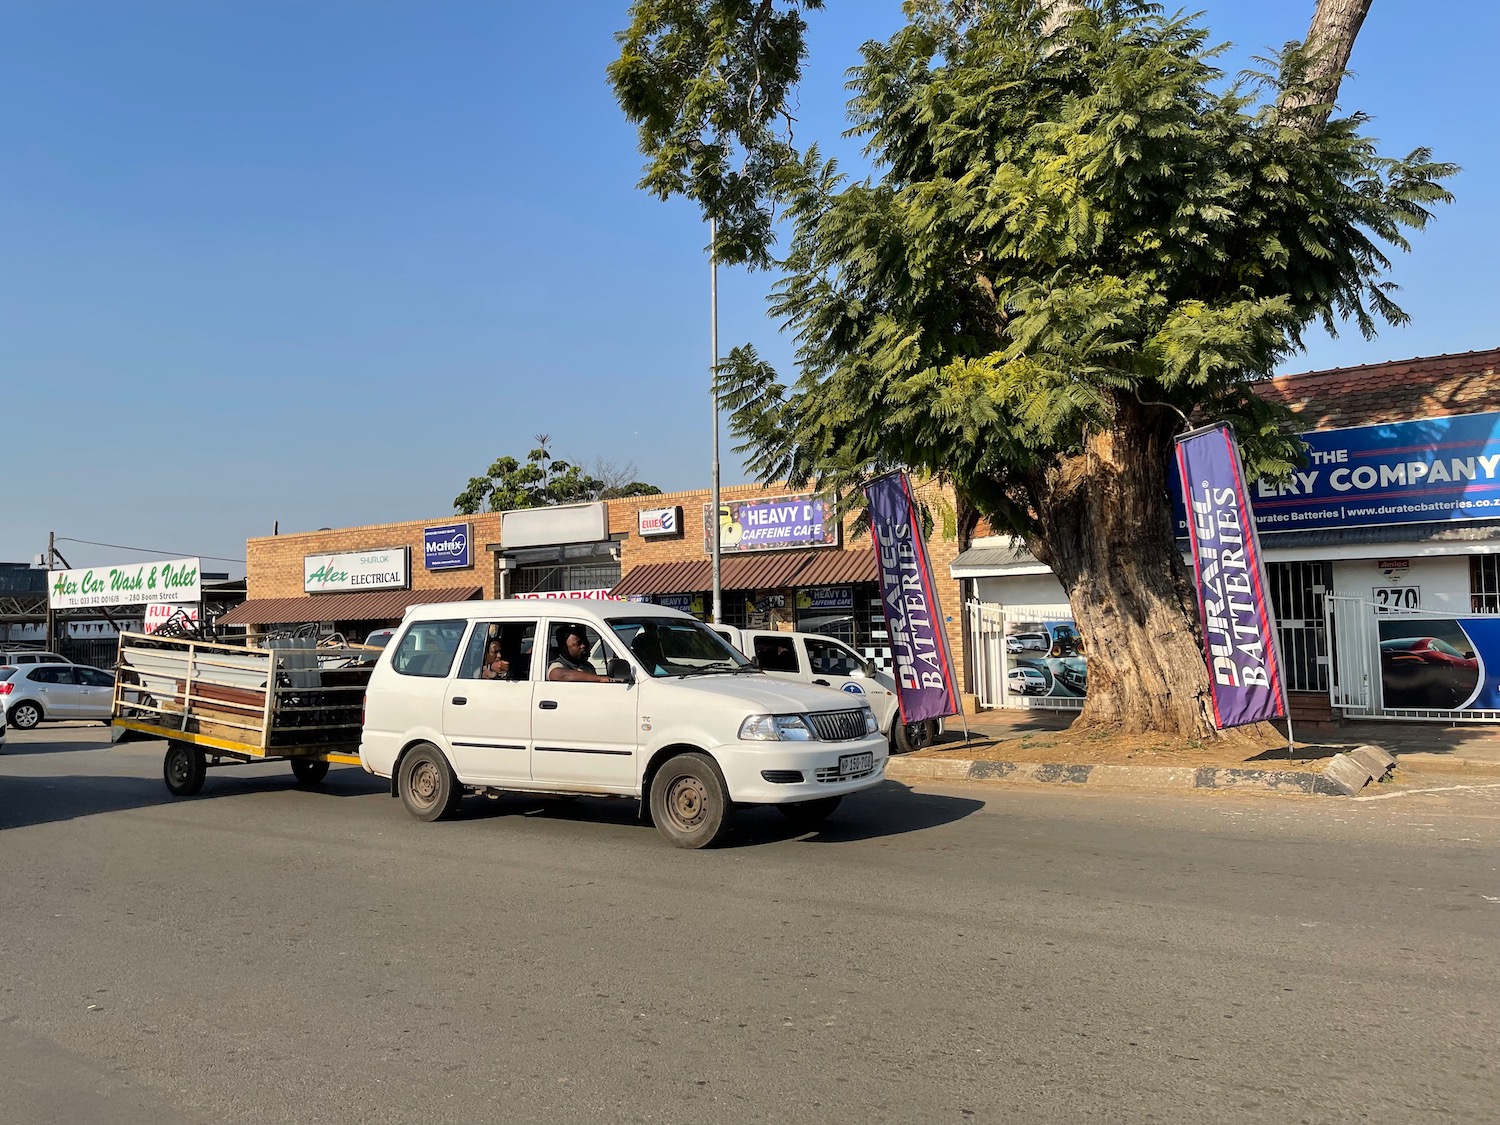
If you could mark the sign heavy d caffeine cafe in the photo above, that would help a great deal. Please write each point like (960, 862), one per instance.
(387, 568)
(772, 523)
(176, 580)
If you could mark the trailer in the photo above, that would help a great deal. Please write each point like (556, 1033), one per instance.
(221, 705)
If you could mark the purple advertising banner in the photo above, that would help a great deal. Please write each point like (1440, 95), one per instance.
(1239, 642)
(923, 666)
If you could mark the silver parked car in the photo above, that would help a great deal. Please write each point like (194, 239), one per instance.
(36, 693)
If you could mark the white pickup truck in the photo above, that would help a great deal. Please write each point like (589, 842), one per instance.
(811, 658)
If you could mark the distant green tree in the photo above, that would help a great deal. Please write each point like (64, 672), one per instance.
(541, 481)
(1079, 236)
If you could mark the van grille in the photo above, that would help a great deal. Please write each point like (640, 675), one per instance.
(839, 726)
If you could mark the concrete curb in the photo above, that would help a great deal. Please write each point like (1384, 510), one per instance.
(1127, 777)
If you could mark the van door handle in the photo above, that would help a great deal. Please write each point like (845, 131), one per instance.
(822, 683)
(460, 700)
(548, 705)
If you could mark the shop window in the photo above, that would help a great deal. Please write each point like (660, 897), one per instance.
(555, 577)
(1484, 583)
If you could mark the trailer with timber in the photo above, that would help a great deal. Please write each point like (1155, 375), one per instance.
(222, 704)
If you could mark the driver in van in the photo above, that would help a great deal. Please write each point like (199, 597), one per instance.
(572, 663)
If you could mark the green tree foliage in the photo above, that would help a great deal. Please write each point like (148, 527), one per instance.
(1080, 236)
(541, 481)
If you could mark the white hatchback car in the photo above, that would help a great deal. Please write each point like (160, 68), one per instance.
(606, 698)
(36, 693)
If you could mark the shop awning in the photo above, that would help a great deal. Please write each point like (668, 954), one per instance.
(377, 605)
(763, 571)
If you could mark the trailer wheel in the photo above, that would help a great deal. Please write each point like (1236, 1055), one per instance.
(309, 771)
(184, 768)
(428, 788)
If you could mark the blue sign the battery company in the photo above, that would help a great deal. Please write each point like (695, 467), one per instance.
(447, 547)
(1423, 471)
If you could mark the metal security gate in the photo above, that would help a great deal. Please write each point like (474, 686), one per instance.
(1298, 594)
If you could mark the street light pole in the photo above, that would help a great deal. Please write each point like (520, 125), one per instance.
(713, 300)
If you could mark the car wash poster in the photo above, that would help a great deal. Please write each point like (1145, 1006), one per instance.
(1044, 659)
(1440, 663)
(1239, 643)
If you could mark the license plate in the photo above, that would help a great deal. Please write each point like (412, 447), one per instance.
(856, 763)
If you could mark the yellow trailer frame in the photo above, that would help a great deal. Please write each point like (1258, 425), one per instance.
(218, 704)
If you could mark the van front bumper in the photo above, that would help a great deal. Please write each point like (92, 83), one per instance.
(778, 773)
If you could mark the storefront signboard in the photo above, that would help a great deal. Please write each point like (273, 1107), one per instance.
(385, 568)
(1424, 471)
(448, 547)
(173, 581)
(772, 523)
(1239, 643)
(826, 597)
(655, 523)
(925, 684)
(687, 603)
(571, 596)
(159, 613)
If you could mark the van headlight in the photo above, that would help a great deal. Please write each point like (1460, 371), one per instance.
(775, 728)
(871, 724)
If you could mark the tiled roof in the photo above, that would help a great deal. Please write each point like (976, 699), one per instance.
(377, 605)
(1426, 387)
(766, 570)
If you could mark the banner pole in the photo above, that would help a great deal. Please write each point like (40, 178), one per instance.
(1289, 751)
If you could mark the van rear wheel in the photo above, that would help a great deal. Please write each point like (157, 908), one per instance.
(309, 771)
(428, 788)
(690, 802)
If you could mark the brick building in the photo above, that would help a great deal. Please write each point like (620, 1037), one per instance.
(814, 577)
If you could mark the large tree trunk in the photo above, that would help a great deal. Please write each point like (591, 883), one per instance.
(1106, 532)
(1330, 42)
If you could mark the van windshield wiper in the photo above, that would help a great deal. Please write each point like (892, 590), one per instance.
(716, 667)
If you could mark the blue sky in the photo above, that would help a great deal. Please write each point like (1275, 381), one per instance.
(319, 262)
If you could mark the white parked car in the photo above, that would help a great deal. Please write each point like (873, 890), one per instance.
(606, 698)
(1027, 681)
(19, 656)
(36, 693)
(812, 658)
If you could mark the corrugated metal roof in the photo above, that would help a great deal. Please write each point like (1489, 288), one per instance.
(991, 558)
(376, 605)
(764, 571)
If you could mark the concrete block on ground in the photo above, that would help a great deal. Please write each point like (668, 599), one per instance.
(1348, 774)
(1376, 758)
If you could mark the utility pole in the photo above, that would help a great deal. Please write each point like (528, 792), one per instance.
(715, 528)
(51, 644)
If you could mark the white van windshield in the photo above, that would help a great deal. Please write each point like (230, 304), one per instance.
(671, 647)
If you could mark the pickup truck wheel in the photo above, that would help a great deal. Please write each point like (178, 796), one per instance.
(913, 736)
(184, 769)
(810, 814)
(309, 771)
(428, 788)
(25, 716)
(689, 801)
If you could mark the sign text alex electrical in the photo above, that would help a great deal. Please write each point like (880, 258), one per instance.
(387, 568)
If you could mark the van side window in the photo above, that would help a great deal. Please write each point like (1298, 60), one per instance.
(831, 659)
(776, 654)
(428, 648)
(512, 639)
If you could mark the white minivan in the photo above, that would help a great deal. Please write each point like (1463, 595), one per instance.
(601, 698)
(812, 658)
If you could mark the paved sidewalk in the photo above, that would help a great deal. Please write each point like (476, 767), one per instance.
(1418, 748)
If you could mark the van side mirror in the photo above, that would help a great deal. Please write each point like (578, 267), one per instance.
(621, 670)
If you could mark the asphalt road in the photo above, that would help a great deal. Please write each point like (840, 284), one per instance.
(268, 954)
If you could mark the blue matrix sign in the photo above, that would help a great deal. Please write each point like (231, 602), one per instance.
(1423, 471)
(447, 547)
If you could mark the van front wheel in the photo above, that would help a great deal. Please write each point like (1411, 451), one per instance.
(428, 788)
(690, 802)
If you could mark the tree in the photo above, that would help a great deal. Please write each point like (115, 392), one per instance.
(542, 481)
(1080, 237)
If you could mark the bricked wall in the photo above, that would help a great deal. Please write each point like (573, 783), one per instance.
(274, 567)
(274, 563)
